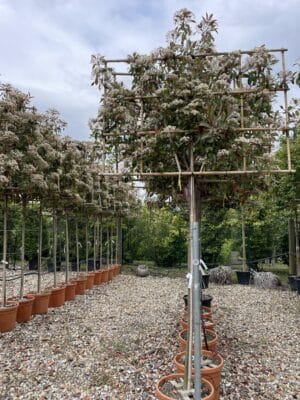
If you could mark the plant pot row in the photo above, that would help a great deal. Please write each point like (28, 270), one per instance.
(169, 387)
(19, 311)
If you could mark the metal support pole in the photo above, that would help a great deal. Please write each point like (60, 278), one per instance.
(5, 212)
(40, 248)
(77, 247)
(24, 202)
(67, 248)
(196, 309)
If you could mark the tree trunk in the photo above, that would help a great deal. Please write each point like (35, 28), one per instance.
(292, 247)
(23, 232)
(54, 247)
(297, 243)
(87, 245)
(4, 262)
(119, 241)
(40, 248)
(243, 239)
(77, 247)
(67, 248)
(100, 240)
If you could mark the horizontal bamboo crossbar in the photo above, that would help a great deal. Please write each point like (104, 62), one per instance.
(211, 54)
(198, 173)
(157, 132)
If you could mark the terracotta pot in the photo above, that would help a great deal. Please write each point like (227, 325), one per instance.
(8, 315)
(97, 279)
(104, 276)
(118, 268)
(57, 298)
(208, 323)
(213, 375)
(110, 274)
(211, 343)
(24, 313)
(173, 377)
(70, 292)
(90, 280)
(81, 284)
(41, 302)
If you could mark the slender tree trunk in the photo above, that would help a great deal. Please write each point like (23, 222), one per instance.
(54, 247)
(67, 248)
(297, 244)
(23, 228)
(107, 247)
(77, 247)
(119, 249)
(87, 245)
(95, 243)
(101, 244)
(292, 248)
(4, 255)
(243, 239)
(40, 248)
(112, 246)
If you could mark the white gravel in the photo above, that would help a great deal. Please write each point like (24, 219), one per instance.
(114, 342)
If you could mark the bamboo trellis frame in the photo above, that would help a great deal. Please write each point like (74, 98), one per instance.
(192, 174)
(239, 91)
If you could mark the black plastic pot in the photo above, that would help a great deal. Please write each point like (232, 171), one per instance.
(243, 277)
(297, 280)
(206, 300)
(205, 280)
(292, 282)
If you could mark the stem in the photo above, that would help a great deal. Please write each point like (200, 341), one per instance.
(87, 245)
(40, 247)
(107, 248)
(54, 222)
(5, 212)
(112, 247)
(101, 248)
(119, 241)
(77, 246)
(243, 240)
(67, 247)
(24, 203)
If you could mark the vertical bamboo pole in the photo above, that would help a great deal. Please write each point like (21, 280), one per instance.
(54, 247)
(23, 228)
(4, 255)
(292, 247)
(40, 247)
(95, 246)
(67, 247)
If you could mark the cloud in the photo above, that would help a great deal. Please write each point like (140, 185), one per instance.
(46, 45)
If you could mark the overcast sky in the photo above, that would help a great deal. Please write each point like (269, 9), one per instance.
(46, 45)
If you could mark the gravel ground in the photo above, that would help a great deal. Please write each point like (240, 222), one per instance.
(114, 343)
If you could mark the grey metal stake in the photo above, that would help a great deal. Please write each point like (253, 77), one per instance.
(196, 309)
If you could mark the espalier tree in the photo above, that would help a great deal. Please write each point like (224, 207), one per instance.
(56, 173)
(199, 124)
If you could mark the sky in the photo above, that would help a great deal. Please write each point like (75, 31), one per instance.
(46, 45)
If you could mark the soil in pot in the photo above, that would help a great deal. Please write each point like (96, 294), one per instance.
(8, 315)
(57, 298)
(211, 367)
(243, 277)
(41, 302)
(70, 292)
(209, 344)
(24, 313)
(170, 386)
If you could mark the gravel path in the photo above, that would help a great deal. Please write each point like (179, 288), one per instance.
(114, 343)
